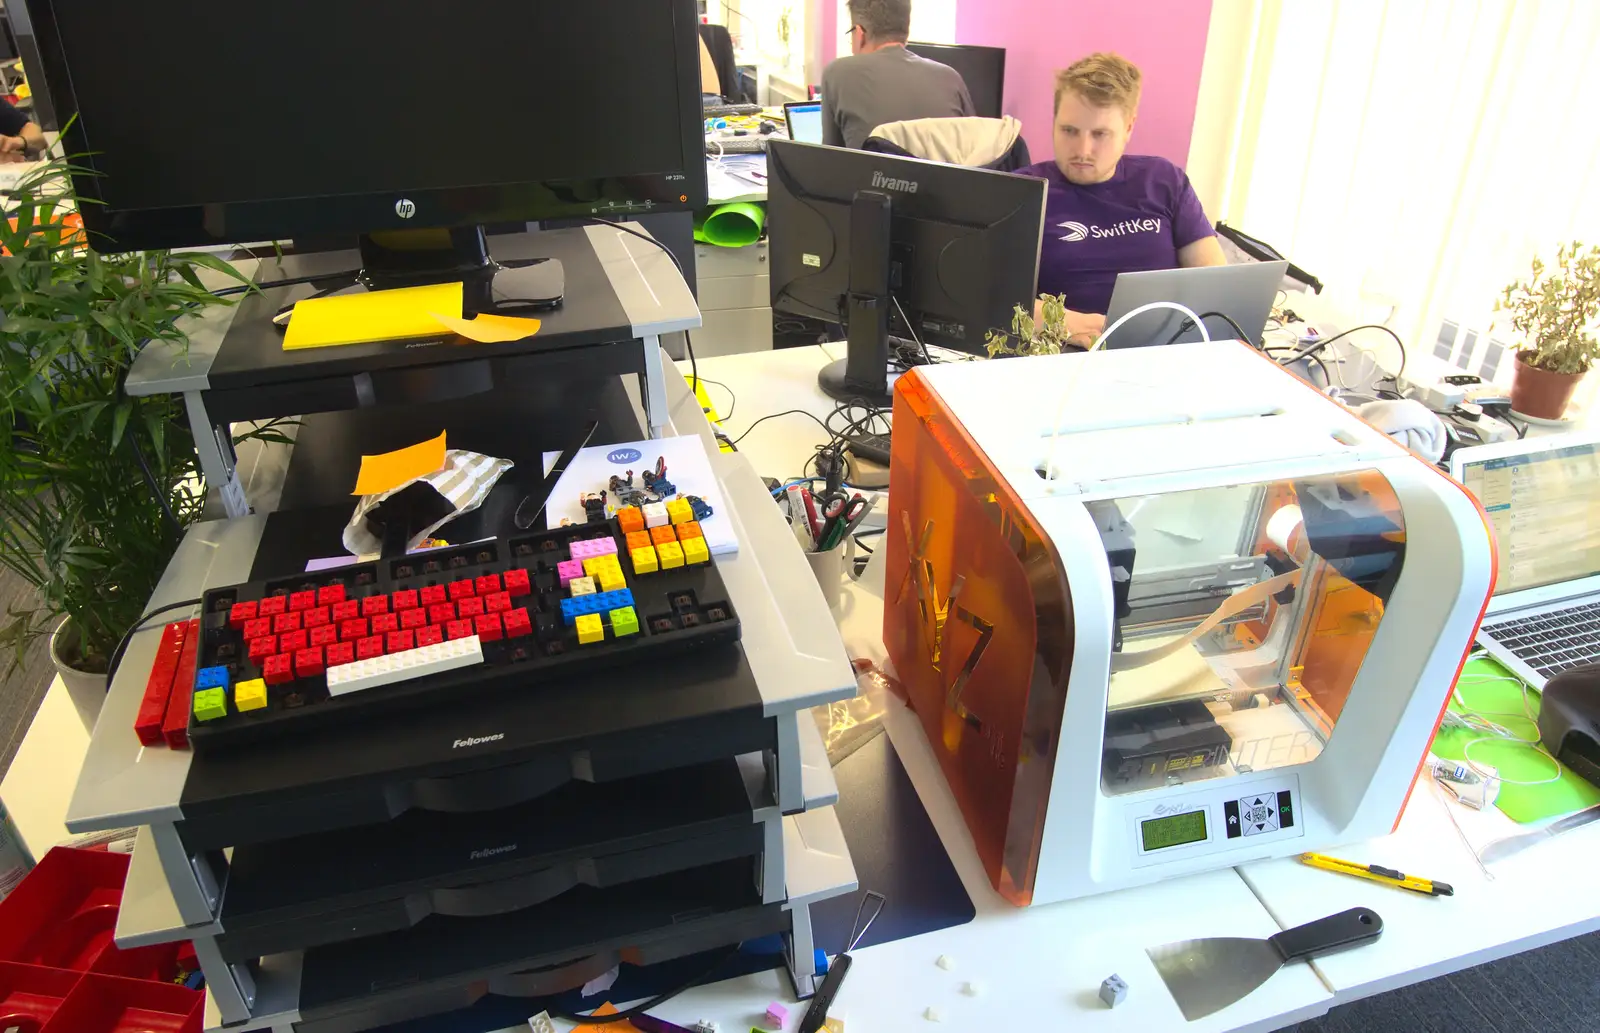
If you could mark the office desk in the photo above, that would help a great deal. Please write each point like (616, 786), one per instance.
(1039, 968)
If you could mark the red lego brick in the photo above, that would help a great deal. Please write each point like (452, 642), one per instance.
(278, 669)
(351, 630)
(517, 623)
(441, 613)
(315, 617)
(348, 610)
(368, 648)
(330, 595)
(472, 607)
(517, 583)
(308, 662)
(175, 724)
(462, 589)
(341, 653)
(285, 622)
(412, 619)
(488, 584)
(429, 635)
(404, 600)
(383, 623)
(273, 605)
(326, 635)
(459, 629)
(261, 648)
(488, 627)
(400, 641)
(158, 688)
(433, 594)
(241, 612)
(261, 627)
(294, 640)
(499, 602)
(302, 600)
(374, 604)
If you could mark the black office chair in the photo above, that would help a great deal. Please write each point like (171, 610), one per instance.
(720, 43)
(1000, 141)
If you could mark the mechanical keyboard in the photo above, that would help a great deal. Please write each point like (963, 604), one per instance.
(725, 110)
(297, 653)
(736, 144)
(1553, 641)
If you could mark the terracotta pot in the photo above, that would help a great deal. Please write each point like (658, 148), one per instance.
(1540, 393)
(86, 689)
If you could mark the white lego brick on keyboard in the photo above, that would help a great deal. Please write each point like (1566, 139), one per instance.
(398, 667)
(655, 514)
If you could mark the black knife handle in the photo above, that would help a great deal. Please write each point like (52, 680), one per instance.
(1338, 932)
(817, 1014)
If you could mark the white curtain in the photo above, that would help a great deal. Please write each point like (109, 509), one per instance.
(1411, 153)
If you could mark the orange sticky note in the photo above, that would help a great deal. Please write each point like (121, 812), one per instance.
(490, 329)
(609, 1009)
(388, 471)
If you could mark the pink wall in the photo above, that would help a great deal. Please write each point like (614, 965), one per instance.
(1165, 38)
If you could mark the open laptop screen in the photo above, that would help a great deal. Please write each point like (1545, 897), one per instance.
(1545, 507)
(805, 121)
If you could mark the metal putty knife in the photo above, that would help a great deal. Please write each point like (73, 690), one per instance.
(1206, 976)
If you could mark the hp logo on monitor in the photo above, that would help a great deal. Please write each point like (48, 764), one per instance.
(405, 208)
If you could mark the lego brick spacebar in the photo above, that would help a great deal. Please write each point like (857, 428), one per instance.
(404, 666)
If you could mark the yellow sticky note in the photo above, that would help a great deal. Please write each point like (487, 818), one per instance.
(388, 471)
(490, 329)
(373, 316)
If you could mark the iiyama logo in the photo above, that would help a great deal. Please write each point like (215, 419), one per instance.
(405, 208)
(480, 855)
(882, 182)
(479, 741)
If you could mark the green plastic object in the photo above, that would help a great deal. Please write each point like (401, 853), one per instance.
(624, 621)
(210, 704)
(1501, 702)
(733, 225)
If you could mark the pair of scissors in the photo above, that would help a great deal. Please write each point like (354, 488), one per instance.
(842, 516)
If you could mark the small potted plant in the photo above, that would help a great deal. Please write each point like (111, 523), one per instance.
(96, 487)
(1046, 335)
(1556, 312)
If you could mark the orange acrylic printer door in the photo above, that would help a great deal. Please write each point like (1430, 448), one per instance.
(977, 621)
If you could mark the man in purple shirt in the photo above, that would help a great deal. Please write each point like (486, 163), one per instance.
(1109, 212)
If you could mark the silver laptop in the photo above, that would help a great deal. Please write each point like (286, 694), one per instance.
(1244, 293)
(1543, 497)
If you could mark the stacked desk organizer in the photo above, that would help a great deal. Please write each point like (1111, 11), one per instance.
(518, 840)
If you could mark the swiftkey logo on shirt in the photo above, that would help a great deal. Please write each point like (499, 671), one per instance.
(1078, 231)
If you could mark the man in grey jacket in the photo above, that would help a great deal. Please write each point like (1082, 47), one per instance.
(882, 81)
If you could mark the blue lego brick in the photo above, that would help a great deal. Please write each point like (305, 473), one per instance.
(600, 603)
(609, 601)
(210, 678)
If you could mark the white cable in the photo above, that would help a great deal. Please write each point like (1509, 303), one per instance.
(1478, 720)
(1066, 396)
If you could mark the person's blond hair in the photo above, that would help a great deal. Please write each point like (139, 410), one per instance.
(1102, 79)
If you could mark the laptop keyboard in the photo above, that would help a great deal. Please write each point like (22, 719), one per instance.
(1553, 642)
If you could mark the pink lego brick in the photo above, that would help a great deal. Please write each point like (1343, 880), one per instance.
(593, 547)
(569, 569)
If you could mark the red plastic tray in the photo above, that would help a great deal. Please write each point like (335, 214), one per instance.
(105, 1004)
(29, 996)
(64, 914)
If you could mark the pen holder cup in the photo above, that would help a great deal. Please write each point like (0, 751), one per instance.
(829, 568)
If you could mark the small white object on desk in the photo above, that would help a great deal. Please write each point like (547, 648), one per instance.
(404, 666)
(655, 514)
(945, 962)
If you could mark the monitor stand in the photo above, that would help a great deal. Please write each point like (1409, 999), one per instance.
(864, 372)
(416, 258)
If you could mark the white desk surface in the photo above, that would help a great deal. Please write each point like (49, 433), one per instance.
(1039, 966)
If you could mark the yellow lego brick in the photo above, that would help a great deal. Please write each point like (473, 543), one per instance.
(250, 695)
(671, 554)
(581, 586)
(695, 551)
(644, 560)
(591, 566)
(679, 511)
(612, 581)
(590, 628)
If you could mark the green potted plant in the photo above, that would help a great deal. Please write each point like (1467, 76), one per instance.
(1046, 335)
(96, 487)
(1556, 311)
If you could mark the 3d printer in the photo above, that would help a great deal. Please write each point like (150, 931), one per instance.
(1167, 609)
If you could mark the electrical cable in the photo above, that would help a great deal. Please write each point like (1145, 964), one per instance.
(911, 330)
(352, 275)
(1327, 377)
(786, 412)
(173, 523)
(654, 1002)
(1187, 326)
(1471, 719)
(688, 341)
(1322, 342)
(733, 399)
(122, 645)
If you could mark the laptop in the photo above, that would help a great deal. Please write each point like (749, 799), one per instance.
(1244, 293)
(804, 120)
(1543, 498)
